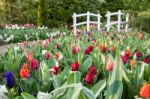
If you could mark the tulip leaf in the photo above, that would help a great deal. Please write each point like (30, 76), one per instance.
(88, 93)
(27, 96)
(86, 64)
(75, 77)
(56, 81)
(139, 76)
(115, 87)
(98, 87)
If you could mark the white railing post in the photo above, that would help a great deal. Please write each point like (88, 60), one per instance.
(98, 22)
(108, 21)
(127, 20)
(119, 20)
(88, 21)
(74, 24)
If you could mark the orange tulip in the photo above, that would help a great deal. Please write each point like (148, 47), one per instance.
(30, 56)
(24, 72)
(132, 62)
(145, 91)
(113, 49)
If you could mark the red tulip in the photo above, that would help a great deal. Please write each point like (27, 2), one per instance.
(93, 70)
(147, 60)
(128, 53)
(145, 91)
(75, 66)
(125, 58)
(48, 54)
(34, 64)
(110, 65)
(89, 78)
(56, 70)
(88, 50)
(76, 49)
(138, 54)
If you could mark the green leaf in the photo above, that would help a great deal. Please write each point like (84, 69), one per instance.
(98, 87)
(88, 93)
(56, 81)
(86, 64)
(27, 96)
(115, 88)
(75, 77)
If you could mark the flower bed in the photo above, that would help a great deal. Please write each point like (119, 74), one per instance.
(94, 65)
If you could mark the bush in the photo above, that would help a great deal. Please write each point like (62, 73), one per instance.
(142, 21)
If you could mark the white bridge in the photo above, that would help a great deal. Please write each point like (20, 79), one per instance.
(108, 25)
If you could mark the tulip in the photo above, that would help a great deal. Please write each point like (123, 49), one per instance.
(88, 50)
(76, 49)
(125, 58)
(147, 59)
(89, 78)
(89, 39)
(57, 46)
(58, 56)
(25, 43)
(128, 53)
(145, 91)
(103, 48)
(132, 62)
(24, 72)
(75, 66)
(34, 64)
(138, 54)
(113, 49)
(110, 65)
(30, 56)
(48, 54)
(93, 70)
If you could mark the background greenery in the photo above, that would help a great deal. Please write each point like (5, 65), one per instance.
(58, 13)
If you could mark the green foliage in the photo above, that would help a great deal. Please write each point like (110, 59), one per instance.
(142, 21)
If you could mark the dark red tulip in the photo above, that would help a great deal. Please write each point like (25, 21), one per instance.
(75, 66)
(88, 50)
(34, 64)
(93, 70)
(89, 78)
(104, 49)
(125, 58)
(147, 60)
(56, 70)
(89, 39)
(76, 49)
(138, 54)
(48, 54)
(57, 46)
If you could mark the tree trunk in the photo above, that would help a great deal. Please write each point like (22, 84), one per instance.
(42, 13)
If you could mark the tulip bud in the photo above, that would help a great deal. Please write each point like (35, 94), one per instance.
(34, 64)
(93, 70)
(110, 65)
(138, 54)
(89, 78)
(75, 66)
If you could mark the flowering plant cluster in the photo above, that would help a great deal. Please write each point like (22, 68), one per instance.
(107, 65)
